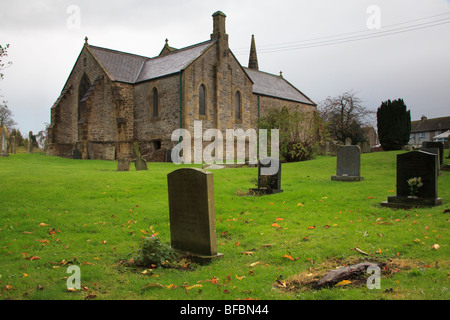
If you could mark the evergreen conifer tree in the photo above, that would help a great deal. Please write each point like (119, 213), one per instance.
(394, 124)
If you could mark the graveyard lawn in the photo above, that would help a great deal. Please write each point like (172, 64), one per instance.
(57, 212)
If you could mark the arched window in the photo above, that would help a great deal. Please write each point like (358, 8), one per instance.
(155, 103)
(202, 101)
(237, 106)
(83, 88)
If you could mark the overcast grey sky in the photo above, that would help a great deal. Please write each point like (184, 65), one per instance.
(323, 47)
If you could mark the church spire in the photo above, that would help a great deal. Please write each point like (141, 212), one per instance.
(253, 61)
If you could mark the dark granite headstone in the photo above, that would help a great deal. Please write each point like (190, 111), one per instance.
(192, 213)
(348, 166)
(439, 145)
(410, 165)
(269, 176)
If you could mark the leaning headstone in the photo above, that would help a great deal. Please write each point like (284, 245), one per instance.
(192, 213)
(435, 144)
(412, 191)
(348, 166)
(140, 163)
(4, 143)
(124, 164)
(269, 176)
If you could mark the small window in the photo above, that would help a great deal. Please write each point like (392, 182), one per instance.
(238, 106)
(202, 101)
(155, 103)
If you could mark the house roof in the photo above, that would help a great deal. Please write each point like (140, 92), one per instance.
(275, 86)
(436, 124)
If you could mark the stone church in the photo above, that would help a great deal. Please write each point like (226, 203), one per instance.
(113, 99)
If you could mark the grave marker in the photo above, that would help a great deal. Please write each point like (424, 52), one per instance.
(416, 164)
(348, 166)
(3, 143)
(192, 213)
(269, 181)
(124, 164)
(434, 144)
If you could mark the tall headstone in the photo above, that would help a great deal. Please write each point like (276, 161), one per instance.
(3, 143)
(269, 176)
(416, 164)
(13, 144)
(192, 213)
(30, 142)
(348, 166)
(435, 144)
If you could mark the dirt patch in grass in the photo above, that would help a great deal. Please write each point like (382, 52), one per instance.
(308, 280)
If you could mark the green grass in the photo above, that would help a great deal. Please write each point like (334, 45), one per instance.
(85, 213)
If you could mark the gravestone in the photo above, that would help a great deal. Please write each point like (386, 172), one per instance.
(410, 165)
(110, 153)
(30, 142)
(269, 176)
(3, 143)
(348, 166)
(192, 213)
(434, 144)
(124, 164)
(13, 145)
(140, 163)
(437, 152)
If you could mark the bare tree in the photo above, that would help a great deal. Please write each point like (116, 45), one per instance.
(345, 117)
(6, 117)
(3, 53)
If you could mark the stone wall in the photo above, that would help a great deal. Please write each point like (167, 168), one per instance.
(149, 130)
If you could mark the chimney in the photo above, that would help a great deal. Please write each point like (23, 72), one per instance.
(218, 25)
(423, 118)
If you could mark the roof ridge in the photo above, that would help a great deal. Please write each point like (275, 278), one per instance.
(182, 49)
(119, 52)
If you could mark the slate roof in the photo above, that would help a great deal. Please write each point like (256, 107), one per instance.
(123, 67)
(172, 62)
(275, 86)
(131, 68)
(436, 124)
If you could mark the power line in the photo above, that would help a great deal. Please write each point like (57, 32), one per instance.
(310, 43)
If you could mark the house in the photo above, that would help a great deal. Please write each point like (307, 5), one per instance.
(426, 129)
(113, 99)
